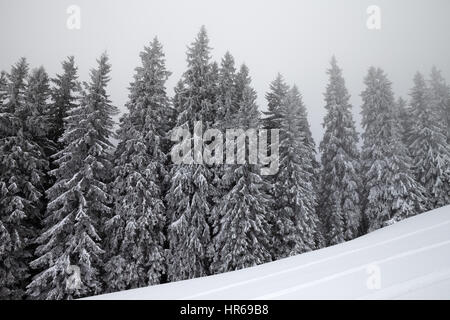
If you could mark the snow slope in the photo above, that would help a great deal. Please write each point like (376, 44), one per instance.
(411, 260)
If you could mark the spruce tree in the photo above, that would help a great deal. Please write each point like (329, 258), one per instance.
(226, 105)
(22, 175)
(428, 146)
(440, 99)
(391, 193)
(275, 98)
(3, 88)
(63, 96)
(405, 120)
(340, 208)
(79, 199)
(191, 193)
(135, 234)
(40, 122)
(227, 108)
(296, 223)
(243, 232)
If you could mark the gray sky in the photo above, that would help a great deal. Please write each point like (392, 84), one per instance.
(294, 37)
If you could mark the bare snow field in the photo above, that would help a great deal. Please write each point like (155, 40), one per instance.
(408, 260)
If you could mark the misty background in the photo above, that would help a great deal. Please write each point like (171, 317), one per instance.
(294, 37)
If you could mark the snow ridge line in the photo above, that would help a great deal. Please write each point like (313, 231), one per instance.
(350, 271)
(340, 255)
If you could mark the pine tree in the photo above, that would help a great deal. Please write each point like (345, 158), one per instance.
(22, 175)
(135, 241)
(227, 108)
(79, 199)
(315, 168)
(340, 208)
(295, 225)
(440, 99)
(243, 232)
(391, 193)
(63, 96)
(405, 119)
(275, 97)
(40, 121)
(428, 146)
(3, 88)
(191, 193)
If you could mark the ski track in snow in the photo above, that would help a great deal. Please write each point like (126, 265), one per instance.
(349, 271)
(413, 257)
(346, 253)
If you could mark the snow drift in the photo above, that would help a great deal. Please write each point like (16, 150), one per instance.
(408, 260)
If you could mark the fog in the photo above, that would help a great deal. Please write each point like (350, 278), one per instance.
(296, 38)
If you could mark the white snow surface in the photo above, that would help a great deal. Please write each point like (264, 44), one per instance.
(411, 258)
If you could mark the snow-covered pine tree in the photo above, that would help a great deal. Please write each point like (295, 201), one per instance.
(440, 98)
(177, 103)
(315, 168)
(70, 244)
(275, 98)
(227, 108)
(340, 207)
(177, 100)
(22, 176)
(40, 120)
(135, 238)
(63, 96)
(191, 194)
(405, 119)
(3, 88)
(243, 232)
(296, 223)
(428, 146)
(13, 97)
(242, 81)
(391, 193)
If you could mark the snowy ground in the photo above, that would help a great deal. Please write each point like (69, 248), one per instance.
(409, 260)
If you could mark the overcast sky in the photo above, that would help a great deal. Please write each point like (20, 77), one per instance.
(296, 38)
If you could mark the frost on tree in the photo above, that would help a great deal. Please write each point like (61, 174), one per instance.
(295, 220)
(242, 237)
(79, 199)
(135, 233)
(22, 173)
(227, 105)
(403, 114)
(275, 97)
(40, 122)
(3, 87)
(428, 145)
(64, 97)
(391, 193)
(227, 100)
(191, 193)
(440, 99)
(340, 205)
(293, 189)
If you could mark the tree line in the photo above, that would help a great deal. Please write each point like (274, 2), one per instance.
(128, 217)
